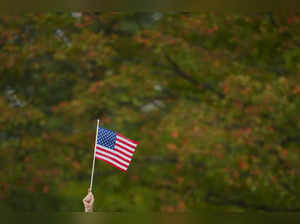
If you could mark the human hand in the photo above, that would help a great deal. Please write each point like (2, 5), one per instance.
(88, 202)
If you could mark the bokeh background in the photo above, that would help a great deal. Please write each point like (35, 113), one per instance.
(212, 99)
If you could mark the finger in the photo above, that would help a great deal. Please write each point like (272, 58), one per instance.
(89, 190)
(87, 198)
(91, 195)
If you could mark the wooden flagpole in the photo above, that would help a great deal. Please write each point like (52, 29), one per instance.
(92, 176)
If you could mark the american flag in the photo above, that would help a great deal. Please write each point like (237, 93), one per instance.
(114, 148)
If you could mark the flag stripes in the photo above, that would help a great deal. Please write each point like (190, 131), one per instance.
(115, 153)
(128, 141)
(111, 162)
(120, 148)
(114, 158)
(124, 146)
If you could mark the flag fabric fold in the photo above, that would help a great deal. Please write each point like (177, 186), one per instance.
(114, 148)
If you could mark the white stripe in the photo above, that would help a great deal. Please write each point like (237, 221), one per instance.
(125, 146)
(108, 154)
(101, 146)
(113, 162)
(119, 154)
(122, 150)
(125, 140)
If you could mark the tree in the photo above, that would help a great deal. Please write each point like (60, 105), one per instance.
(212, 99)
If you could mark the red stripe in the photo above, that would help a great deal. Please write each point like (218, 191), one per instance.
(116, 155)
(134, 142)
(111, 164)
(127, 150)
(122, 153)
(125, 143)
(122, 164)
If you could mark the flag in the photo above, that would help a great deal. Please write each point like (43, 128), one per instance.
(114, 148)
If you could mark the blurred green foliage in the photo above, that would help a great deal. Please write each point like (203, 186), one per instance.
(213, 100)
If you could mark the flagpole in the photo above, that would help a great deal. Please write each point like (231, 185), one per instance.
(92, 176)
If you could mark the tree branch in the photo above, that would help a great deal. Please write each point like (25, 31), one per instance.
(189, 78)
(289, 139)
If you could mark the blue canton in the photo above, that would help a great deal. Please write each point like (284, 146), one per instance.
(106, 138)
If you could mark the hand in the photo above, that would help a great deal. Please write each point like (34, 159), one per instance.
(88, 202)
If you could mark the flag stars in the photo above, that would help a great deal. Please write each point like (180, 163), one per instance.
(106, 138)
